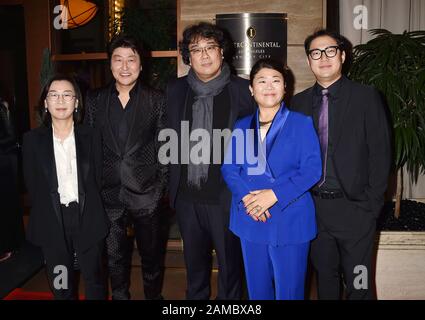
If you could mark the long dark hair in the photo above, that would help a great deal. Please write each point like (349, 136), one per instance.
(45, 117)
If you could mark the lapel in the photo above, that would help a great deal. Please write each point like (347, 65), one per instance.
(258, 151)
(82, 148)
(234, 101)
(303, 102)
(274, 132)
(109, 137)
(49, 168)
(180, 107)
(141, 106)
(310, 103)
(272, 142)
(343, 103)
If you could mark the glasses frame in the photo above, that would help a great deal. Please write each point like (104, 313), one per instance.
(51, 98)
(324, 51)
(195, 51)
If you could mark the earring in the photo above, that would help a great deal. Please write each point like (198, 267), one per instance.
(76, 110)
(45, 110)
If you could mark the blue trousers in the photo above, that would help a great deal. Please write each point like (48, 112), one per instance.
(275, 272)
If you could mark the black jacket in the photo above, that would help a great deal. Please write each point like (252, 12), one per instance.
(133, 178)
(362, 152)
(7, 134)
(45, 226)
(241, 103)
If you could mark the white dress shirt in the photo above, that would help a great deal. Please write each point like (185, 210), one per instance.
(66, 168)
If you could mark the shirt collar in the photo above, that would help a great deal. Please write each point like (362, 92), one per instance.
(133, 90)
(332, 89)
(69, 137)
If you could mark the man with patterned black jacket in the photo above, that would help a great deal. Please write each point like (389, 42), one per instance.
(127, 117)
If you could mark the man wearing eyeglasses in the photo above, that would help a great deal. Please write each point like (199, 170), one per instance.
(208, 98)
(353, 131)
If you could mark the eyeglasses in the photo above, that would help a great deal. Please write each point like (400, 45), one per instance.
(208, 49)
(67, 97)
(330, 52)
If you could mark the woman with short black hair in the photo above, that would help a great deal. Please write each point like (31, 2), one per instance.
(270, 171)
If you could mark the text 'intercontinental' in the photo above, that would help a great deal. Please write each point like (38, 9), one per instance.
(255, 44)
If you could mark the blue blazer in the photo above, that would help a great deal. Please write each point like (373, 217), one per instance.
(291, 166)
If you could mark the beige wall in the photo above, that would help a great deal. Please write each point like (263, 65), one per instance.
(303, 18)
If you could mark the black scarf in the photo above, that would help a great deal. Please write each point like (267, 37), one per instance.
(202, 118)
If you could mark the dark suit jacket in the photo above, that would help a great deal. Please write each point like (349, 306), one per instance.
(11, 226)
(7, 135)
(241, 103)
(362, 155)
(134, 177)
(45, 226)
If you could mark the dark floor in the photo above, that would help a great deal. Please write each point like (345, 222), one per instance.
(174, 279)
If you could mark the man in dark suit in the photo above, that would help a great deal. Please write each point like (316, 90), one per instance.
(354, 136)
(127, 118)
(208, 98)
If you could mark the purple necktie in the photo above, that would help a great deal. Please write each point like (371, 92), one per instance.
(323, 132)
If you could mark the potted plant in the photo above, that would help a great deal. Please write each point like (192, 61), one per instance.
(395, 65)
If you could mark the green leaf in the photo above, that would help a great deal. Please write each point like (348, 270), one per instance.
(395, 65)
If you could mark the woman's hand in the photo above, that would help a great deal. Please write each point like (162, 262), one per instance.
(258, 202)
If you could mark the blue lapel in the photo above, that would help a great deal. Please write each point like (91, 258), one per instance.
(274, 131)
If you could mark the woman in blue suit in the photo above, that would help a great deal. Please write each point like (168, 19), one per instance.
(272, 160)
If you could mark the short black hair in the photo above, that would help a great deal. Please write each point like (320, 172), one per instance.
(269, 64)
(203, 30)
(125, 41)
(340, 40)
(45, 117)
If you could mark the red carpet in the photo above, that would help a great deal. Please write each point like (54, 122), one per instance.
(19, 294)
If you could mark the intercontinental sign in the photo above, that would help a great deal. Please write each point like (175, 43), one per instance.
(255, 36)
